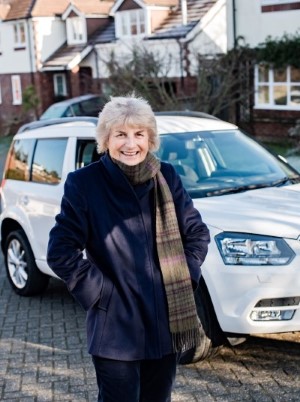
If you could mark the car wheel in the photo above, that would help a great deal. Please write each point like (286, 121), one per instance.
(212, 337)
(22, 272)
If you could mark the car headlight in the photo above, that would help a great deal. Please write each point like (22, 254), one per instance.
(249, 249)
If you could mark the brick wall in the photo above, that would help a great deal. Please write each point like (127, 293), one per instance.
(273, 124)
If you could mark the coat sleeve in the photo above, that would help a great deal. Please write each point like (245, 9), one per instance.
(67, 241)
(194, 232)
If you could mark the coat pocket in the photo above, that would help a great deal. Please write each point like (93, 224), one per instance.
(97, 317)
(105, 296)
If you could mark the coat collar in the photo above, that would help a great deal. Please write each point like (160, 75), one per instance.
(116, 177)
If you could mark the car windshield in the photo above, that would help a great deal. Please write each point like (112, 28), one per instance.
(221, 162)
(53, 112)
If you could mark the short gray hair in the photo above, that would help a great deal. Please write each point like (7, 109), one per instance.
(126, 110)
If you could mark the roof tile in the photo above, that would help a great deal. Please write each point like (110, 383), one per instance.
(173, 26)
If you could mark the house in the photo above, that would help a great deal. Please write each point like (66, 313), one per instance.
(62, 48)
(275, 107)
(44, 44)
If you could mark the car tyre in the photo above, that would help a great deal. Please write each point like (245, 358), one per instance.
(211, 335)
(22, 271)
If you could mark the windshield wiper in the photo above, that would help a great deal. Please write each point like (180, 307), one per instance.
(240, 189)
(294, 180)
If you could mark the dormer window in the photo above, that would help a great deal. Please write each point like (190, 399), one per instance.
(130, 23)
(76, 30)
(19, 35)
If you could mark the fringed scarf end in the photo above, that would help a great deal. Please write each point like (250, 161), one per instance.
(183, 341)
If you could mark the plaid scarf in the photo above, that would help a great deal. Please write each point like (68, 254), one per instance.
(183, 320)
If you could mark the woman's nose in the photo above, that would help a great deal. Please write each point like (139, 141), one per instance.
(130, 141)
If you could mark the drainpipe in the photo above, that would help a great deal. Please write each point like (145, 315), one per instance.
(97, 67)
(237, 109)
(234, 23)
(29, 31)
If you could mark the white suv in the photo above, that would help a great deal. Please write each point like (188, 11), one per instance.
(249, 198)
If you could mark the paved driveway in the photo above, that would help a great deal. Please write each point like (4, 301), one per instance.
(43, 357)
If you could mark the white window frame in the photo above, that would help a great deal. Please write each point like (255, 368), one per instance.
(0, 94)
(19, 34)
(76, 30)
(271, 85)
(16, 89)
(56, 84)
(127, 20)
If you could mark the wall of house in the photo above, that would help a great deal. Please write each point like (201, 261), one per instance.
(255, 25)
(210, 37)
(166, 51)
(49, 34)
(11, 115)
(274, 124)
(10, 56)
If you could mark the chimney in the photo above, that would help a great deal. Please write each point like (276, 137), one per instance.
(184, 12)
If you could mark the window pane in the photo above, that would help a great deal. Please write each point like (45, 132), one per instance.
(48, 161)
(16, 36)
(125, 22)
(280, 75)
(22, 33)
(59, 85)
(142, 21)
(263, 94)
(86, 153)
(280, 95)
(20, 160)
(133, 23)
(295, 74)
(263, 73)
(295, 95)
(16, 89)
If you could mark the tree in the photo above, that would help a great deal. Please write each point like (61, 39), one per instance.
(218, 81)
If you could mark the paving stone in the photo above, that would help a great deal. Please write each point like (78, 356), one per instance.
(43, 357)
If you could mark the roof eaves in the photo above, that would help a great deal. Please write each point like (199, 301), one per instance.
(79, 57)
(71, 7)
(118, 3)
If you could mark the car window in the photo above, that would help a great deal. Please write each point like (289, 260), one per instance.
(91, 107)
(48, 160)
(69, 112)
(75, 110)
(86, 153)
(53, 112)
(216, 161)
(19, 163)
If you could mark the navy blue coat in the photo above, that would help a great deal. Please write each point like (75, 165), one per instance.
(119, 282)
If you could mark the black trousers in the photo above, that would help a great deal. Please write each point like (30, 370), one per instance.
(135, 381)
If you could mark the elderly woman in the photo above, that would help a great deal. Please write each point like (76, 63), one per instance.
(144, 243)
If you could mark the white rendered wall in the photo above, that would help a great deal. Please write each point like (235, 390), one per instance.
(255, 26)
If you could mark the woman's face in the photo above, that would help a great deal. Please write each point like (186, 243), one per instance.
(128, 144)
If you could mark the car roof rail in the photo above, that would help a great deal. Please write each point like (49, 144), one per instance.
(188, 113)
(50, 122)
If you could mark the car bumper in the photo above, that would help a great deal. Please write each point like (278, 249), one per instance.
(254, 299)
